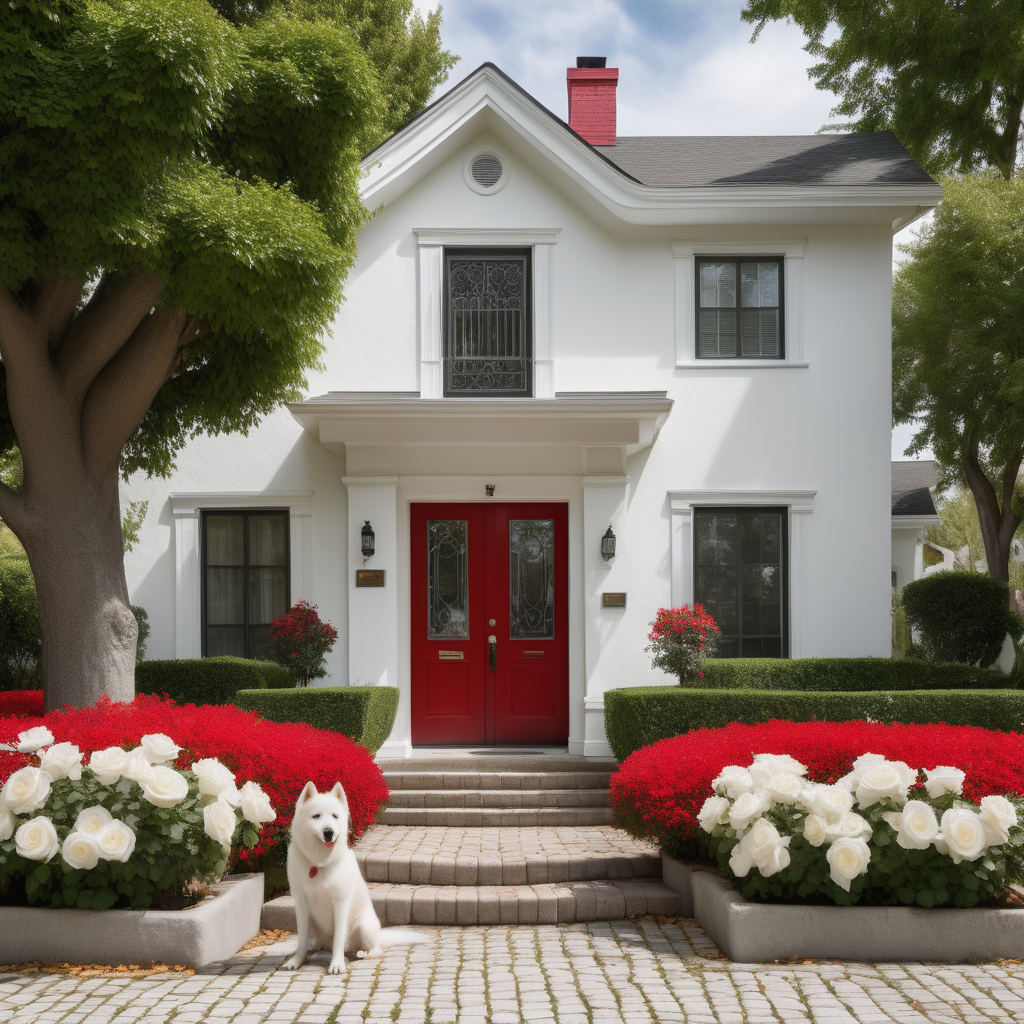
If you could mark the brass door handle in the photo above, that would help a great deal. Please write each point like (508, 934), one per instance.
(492, 643)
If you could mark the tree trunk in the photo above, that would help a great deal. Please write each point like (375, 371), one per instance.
(996, 518)
(75, 549)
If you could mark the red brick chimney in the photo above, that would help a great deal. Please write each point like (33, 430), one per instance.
(592, 99)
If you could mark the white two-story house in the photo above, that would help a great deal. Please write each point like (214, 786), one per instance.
(577, 377)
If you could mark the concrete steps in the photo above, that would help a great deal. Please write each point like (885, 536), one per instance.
(558, 817)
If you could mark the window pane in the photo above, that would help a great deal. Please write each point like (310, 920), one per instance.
(531, 563)
(759, 284)
(225, 642)
(259, 642)
(225, 595)
(716, 540)
(268, 540)
(718, 332)
(759, 332)
(447, 578)
(717, 285)
(268, 599)
(224, 540)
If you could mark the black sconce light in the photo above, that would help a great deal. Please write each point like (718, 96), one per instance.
(366, 539)
(608, 545)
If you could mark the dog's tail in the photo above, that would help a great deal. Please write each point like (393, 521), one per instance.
(401, 937)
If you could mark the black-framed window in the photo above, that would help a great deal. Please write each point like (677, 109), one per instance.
(741, 559)
(246, 574)
(488, 321)
(740, 307)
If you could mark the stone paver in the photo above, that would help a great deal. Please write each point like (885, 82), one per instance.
(630, 972)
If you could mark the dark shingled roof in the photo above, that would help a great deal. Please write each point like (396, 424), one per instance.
(910, 488)
(875, 158)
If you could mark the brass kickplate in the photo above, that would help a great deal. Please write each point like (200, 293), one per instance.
(451, 656)
(369, 577)
(612, 600)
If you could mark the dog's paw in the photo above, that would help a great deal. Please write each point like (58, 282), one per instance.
(366, 954)
(293, 963)
(337, 966)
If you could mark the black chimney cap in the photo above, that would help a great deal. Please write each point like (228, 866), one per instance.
(591, 62)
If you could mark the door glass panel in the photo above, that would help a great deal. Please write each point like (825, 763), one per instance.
(531, 599)
(447, 578)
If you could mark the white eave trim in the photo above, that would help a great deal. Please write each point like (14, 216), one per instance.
(914, 522)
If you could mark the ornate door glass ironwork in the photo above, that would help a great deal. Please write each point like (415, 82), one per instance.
(531, 598)
(487, 323)
(448, 578)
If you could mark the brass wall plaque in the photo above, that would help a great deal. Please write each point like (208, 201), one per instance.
(613, 600)
(369, 577)
(451, 656)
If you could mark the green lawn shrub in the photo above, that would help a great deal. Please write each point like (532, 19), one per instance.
(209, 680)
(20, 640)
(363, 713)
(960, 616)
(637, 716)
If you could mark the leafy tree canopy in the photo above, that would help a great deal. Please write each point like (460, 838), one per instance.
(947, 76)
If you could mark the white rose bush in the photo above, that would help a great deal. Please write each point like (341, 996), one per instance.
(882, 833)
(119, 827)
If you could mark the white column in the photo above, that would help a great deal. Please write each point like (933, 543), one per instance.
(682, 553)
(431, 278)
(799, 526)
(682, 260)
(794, 300)
(300, 522)
(543, 349)
(187, 596)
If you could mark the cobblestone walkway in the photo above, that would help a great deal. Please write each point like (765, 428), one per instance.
(622, 971)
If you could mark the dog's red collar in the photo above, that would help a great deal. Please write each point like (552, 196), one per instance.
(312, 871)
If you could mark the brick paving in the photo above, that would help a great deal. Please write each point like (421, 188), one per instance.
(621, 971)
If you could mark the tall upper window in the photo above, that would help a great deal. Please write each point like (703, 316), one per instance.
(739, 307)
(488, 344)
(245, 580)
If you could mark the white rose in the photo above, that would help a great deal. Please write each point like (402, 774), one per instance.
(257, 808)
(81, 850)
(166, 787)
(213, 777)
(767, 848)
(747, 808)
(714, 812)
(138, 769)
(828, 801)
(109, 765)
(8, 822)
(943, 779)
(784, 787)
(26, 790)
(916, 826)
(847, 826)
(999, 816)
(116, 842)
(740, 860)
(31, 740)
(847, 858)
(776, 763)
(885, 779)
(963, 832)
(93, 820)
(158, 749)
(814, 829)
(860, 766)
(732, 781)
(62, 761)
(219, 822)
(37, 839)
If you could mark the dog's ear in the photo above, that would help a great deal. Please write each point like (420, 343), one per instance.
(308, 792)
(339, 793)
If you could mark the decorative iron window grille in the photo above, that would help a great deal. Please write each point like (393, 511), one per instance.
(488, 344)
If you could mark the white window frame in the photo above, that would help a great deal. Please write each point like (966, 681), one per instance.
(800, 505)
(187, 510)
(684, 255)
(431, 244)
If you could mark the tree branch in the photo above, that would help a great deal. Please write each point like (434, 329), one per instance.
(12, 509)
(55, 305)
(15, 328)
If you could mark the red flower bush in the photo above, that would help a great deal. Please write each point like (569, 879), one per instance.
(281, 758)
(301, 641)
(21, 702)
(658, 790)
(681, 638)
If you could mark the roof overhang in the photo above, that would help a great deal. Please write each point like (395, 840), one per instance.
(914, 522)
(487, 99)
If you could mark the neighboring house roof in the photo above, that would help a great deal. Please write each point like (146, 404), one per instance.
(875, 158)
(911, 488)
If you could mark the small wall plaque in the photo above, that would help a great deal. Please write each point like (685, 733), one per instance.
(369, 577)
(612, 600)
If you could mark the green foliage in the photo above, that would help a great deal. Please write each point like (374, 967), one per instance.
(142, 621)
(131, 523)
(902, 641)
(208, 680)
(20, 640)
(960, 616)
(943, 76)
(635, 717)
(958, 527)
(363, 713)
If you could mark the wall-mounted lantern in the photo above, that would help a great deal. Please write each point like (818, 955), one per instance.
(366, 539)
(608, 545)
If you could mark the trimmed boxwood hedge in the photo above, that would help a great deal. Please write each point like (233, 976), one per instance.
(850, 674)
(209, 680)
(637, 716)
(363, 713)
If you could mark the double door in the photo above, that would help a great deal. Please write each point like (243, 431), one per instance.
(490, 652)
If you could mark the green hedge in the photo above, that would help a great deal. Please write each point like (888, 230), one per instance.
(635, 717)
(363, 713)
(209, 680)
(849, 674)
(20, 643)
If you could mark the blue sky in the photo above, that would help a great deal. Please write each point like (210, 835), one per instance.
(686, 67)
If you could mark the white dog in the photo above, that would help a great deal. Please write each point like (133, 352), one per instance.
(333, 909)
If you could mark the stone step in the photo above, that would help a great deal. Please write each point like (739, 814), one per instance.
(514, 798)
(558, 817)
(410, 780)
(491, 904)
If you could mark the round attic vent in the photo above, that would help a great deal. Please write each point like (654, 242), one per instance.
(486, 172)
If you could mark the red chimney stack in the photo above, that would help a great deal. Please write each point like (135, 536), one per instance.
(592, 99)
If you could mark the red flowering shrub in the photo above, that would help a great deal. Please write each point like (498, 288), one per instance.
(21, 702)
(301, 641)
(658, 790)
(280, 757)
(681, 638)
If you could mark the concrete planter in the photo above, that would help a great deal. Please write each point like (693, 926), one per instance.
(676, 875)
(755, 932)
(212, 930)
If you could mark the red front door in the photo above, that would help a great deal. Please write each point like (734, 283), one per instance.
(490, 624)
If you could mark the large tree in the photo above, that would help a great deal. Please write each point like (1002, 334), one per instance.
(947, 76)
(958, 347)
(178, 205)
